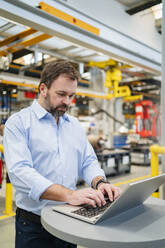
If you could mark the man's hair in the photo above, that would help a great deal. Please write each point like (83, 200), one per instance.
(54, 69)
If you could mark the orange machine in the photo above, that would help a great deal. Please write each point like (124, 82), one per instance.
(147, 119)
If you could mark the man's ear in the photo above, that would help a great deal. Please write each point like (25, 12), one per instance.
(43, 89)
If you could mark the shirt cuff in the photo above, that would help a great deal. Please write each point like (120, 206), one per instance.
(90, 174)
(36, 191)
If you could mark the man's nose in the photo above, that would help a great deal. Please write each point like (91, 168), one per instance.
(67, 100)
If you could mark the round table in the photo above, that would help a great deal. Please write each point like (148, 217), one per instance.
(140, 227)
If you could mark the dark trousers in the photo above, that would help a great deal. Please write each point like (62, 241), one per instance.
(32, 235)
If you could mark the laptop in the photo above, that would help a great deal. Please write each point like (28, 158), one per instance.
(134, 194)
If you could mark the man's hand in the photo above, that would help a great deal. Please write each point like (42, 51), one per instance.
(112, 191)
(87, 196)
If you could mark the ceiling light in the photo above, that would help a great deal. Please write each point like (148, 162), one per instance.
(157, 11)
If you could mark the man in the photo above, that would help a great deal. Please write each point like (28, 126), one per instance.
(46, 151)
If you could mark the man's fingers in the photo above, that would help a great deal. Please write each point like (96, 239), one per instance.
(101, 196)
(89, 202)
(112, 191)
(117, 193)
(93, 197)
(97, 196)
(110, 195)
(97, 200)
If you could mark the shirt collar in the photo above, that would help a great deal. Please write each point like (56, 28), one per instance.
(41, 112)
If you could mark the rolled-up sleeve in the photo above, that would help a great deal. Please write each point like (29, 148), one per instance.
(90, 165)
(19, 161)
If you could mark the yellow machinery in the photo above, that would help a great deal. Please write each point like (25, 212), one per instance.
(8, 202)
(112, 79)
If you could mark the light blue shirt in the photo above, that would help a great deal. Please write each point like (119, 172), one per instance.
(39, 153)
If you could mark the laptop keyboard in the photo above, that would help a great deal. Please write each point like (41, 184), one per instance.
(89, 211)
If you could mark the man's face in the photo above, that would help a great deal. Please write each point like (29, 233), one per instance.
(58, 97)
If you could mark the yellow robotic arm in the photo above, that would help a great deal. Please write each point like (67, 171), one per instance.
(112, 79)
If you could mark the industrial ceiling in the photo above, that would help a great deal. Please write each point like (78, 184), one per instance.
(48, 48)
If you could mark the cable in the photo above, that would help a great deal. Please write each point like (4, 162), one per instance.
(109, 115)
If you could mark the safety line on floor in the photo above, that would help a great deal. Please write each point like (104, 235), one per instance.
(132, 180)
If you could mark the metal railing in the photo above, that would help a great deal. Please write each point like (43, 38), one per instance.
(155, 151)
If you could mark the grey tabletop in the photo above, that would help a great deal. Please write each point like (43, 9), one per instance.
(142, 227)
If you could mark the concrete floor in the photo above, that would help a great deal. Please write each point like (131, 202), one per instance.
(7, 231)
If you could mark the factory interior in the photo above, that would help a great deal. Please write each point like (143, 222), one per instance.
(117, 48)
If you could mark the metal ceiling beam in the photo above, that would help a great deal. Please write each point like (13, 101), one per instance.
(25, 43)
(71, 19)
(59, 54)
(87, 57)
(17, 37)
(6, 26)
(66, 49)
(145, 5)
(53, 54)
(110, 42)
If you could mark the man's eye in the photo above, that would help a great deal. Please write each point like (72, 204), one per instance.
(60, 94)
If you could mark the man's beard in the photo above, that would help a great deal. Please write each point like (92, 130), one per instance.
(56, 112)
